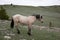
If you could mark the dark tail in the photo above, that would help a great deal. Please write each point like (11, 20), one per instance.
(12, 23)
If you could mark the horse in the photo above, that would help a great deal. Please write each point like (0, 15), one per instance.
(27, 20)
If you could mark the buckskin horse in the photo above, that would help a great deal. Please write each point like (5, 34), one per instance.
(27, 20)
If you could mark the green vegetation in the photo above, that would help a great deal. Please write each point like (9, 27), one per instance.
(53, 8)
(50, 14)
(37, 34)
(3, 14)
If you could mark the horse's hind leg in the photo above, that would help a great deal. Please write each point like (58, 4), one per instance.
(18, 31)
(29, 29)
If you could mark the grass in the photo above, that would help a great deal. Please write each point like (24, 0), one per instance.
(48, 13)
(37, 34)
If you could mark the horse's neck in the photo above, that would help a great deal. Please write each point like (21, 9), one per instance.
(32, 18)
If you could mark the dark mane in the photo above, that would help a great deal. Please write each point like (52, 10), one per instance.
(36, 15)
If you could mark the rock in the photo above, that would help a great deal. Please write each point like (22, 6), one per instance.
(7, 37)
(11, 34)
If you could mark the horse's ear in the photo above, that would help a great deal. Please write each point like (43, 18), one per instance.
(41, 17)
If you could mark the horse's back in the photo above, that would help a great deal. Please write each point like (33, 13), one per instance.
(16, 17)
(20, 18)
(24, 19)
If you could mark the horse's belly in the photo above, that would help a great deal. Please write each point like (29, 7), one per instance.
(23, 22)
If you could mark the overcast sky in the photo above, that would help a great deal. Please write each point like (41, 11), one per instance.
(31, 2)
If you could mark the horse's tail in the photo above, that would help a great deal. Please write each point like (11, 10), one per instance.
(12, 23)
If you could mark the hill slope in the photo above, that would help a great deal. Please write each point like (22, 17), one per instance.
(50, 13)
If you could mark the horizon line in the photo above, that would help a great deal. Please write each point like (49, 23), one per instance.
(29, 5)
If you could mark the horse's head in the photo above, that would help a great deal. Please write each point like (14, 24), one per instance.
(39, 17)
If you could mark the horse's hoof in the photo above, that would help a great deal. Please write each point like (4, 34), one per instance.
(29, 34)
(18, 32)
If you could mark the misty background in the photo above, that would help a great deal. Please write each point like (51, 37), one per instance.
(31, 2)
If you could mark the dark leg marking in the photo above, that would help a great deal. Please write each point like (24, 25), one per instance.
(18, 31)
(29, 32)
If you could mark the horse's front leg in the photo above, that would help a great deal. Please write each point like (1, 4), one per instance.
(29, 29)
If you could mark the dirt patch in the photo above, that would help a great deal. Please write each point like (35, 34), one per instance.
(55, 29)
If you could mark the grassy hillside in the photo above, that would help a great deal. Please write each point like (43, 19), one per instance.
(52, 8)
(50, 13)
